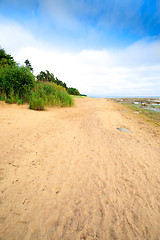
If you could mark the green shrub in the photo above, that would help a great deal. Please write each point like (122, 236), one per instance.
(8, 100)
(2, 98)
(17, 84)
(20, 101)
(36, 103)
(13, 97)
(49, 94)
(17, 79)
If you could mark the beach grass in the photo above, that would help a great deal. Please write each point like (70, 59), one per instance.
(49, 94)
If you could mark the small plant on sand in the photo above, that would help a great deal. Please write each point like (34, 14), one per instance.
(36, 103)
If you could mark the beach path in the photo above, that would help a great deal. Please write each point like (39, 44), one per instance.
(69, 173)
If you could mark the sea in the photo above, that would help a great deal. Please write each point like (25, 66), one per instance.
(124, 96)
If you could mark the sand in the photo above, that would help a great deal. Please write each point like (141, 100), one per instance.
(69, 173)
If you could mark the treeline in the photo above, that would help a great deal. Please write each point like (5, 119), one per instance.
(49, 77)
(19, 85)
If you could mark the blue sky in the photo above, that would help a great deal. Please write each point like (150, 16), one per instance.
(102, 47)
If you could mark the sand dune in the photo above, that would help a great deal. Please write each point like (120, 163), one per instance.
(70, 174)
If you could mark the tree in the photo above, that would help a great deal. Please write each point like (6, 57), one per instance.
(45, 77)
(28, 64)
(73, 91)
(6, 59)
(49, 77)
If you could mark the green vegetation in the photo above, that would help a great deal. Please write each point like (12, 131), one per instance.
(78, 96)
(16, 82)
(49, 77)
(73, 91)
(150, 115)
(83, 95)
(6, 59)
(147, 109)
(49, 94)
(36, 103)
(18, 85)
(28, 64)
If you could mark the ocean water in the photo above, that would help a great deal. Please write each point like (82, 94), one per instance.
(124, 96)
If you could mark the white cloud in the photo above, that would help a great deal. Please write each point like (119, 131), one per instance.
(143, 52)
(13, 36)
(93, 73)
(134, 70)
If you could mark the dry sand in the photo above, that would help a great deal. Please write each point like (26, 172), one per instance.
(70, 174)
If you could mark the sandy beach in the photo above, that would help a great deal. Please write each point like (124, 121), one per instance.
(69, 173)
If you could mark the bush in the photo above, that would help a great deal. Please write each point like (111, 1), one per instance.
(2, 98)
(49, 94)
(17, 85)
(20, 101)
(8, 100)
(12, 98)
(36, 103)
(17, 80)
